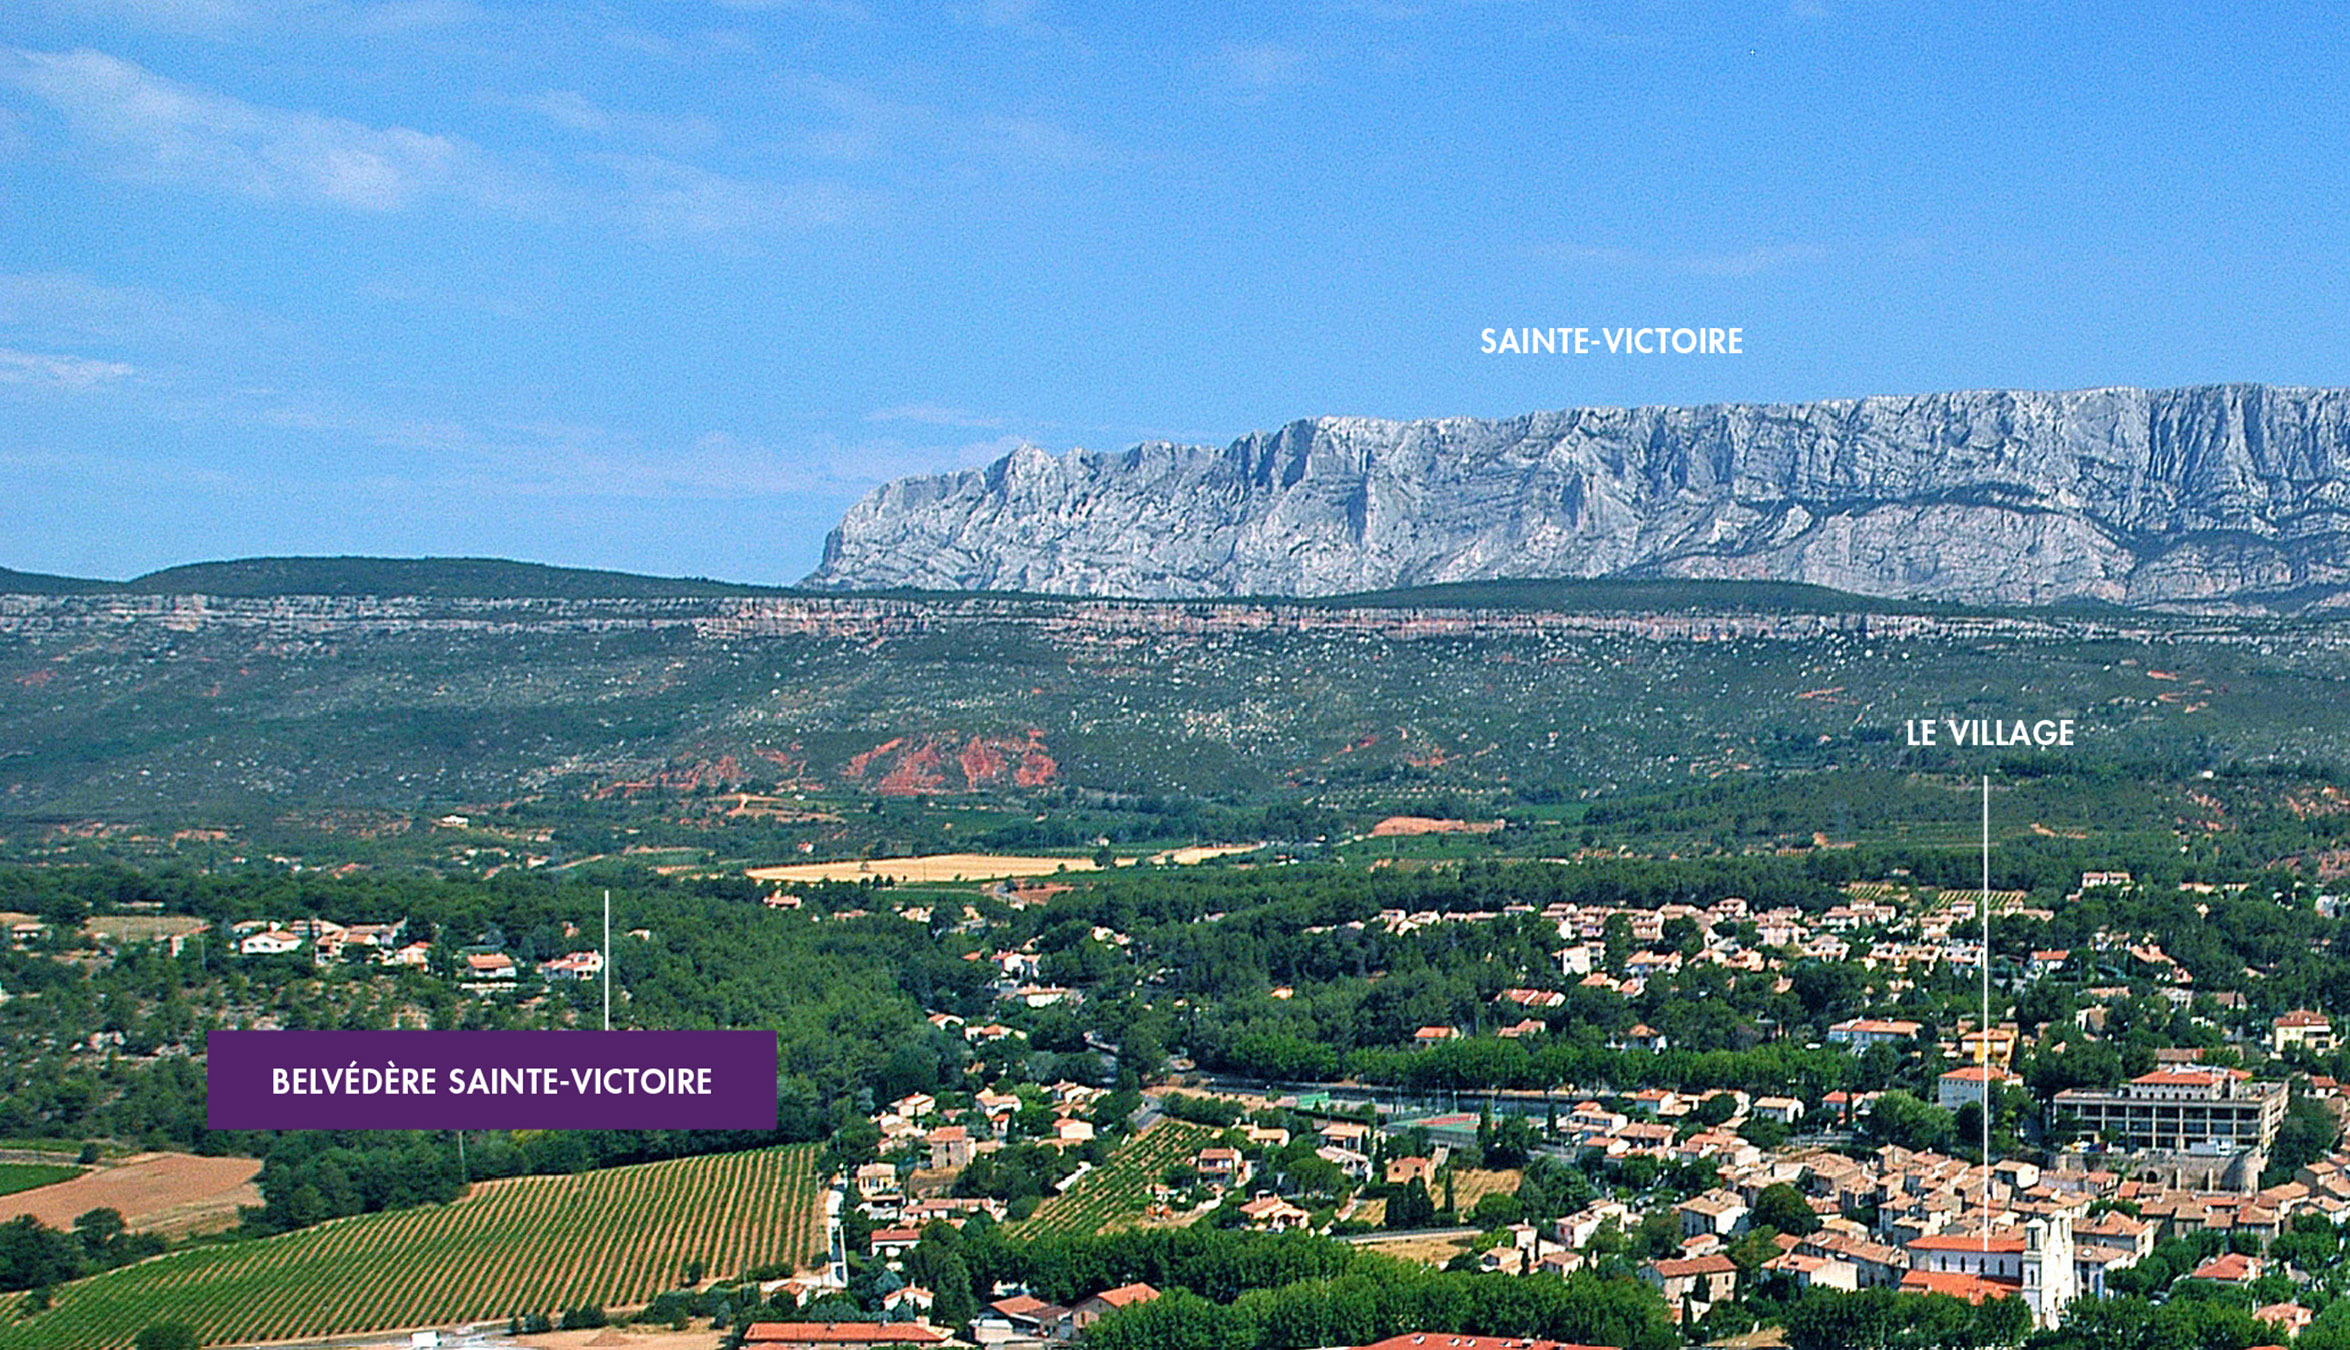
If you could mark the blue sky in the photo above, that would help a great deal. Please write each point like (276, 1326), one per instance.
(665, 286)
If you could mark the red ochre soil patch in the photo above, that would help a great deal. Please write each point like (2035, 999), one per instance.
(981, 761)
(2322, 801)
(721, 774)
(915, 773)
(154, 1192)
(1037, 769)
(907, 767)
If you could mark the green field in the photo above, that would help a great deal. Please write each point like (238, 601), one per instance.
(16, 1176)
(1113, 1197)
(533, 1244)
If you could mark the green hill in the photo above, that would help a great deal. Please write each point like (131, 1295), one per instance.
(434, 578)
(428, 578)
(13, 582)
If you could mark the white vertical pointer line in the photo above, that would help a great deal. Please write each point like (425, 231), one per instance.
(1985, 1024)
(608, 955)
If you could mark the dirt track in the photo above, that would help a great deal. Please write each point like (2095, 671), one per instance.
(624, 1338)
(938, 867)
(932, 868)
(155, 1192)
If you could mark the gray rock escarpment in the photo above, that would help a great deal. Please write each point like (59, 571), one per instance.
(2221, 496)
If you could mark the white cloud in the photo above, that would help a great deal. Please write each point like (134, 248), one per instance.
(666, 199)
(716, 465)
(330, 417)
(858, 465)
(53, 371)
(868, 127)
(1748, 262)
(1019, 20)
(247, 18)
(1024, 141)
(421, 288)
(842, 11)
(1015, 15)
(490, 458)
(574, 111)
(43, 299)
(160, 130)
(1752, 261)
(569, 462)
(1258, 65)
(71, 308)
(171, 16)
(399, 16)
(1383, 10)
(931, 414)
(1001, 13)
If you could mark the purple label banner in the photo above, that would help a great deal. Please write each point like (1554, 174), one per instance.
(490, 1080)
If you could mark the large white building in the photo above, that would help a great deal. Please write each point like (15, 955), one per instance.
(2205, 1110)
(2034, 1263)
(1860, 1033)
(1970, 1084)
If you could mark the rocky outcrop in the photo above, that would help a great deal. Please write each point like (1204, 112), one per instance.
(2219, 496)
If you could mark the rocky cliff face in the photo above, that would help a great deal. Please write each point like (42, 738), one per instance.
(2233, 495)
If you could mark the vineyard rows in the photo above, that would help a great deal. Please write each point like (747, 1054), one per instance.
(1115, 1195)
(531, 1244)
